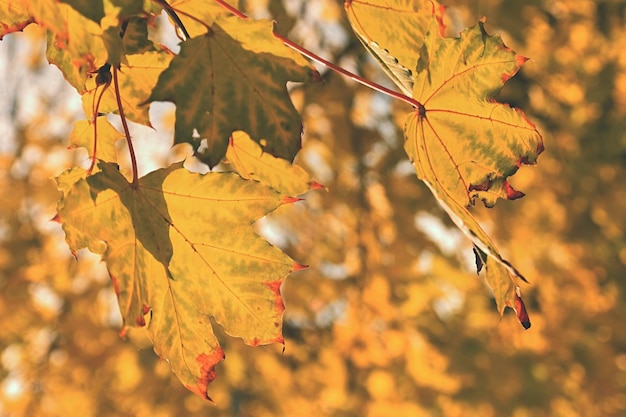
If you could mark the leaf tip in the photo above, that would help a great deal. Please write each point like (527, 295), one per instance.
(520, 309)
(123, 333)
(314, 185)
(540, 147)
(289, 200)
(510, 192)
(140, 321)
(298, 267)
(315, 76)
(520, 60)
(439, 13)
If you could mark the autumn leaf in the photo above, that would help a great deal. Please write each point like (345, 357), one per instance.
(14, 16)
(135, 38)
(234, 78)
(505, 292)
(104, 148)
(463, 144)
(74, 44)
(180, 248)
(123, 9)
(66, 180)
(497, 278)
(79, 45)
(136, 81)
(248, 159)
(206, 12)
(93, 10)
(77, 48)
(130, 37)
(395, 45)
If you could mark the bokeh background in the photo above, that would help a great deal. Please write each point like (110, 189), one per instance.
(390, 318)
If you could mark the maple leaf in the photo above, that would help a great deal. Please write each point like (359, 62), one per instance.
(206, 12)
(396, 46)
(93, 10)
(505, 291)
(81, 39)
(135, 37)
(14, 17)
(130, 37)
(96, 10)
(463, 144)
(180, 248)
(137, 78)
(248, 159)
(234, 78)
(82, 135)
(74, 44)
(77, 44)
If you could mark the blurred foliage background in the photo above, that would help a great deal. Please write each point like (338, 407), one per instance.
(390, 318)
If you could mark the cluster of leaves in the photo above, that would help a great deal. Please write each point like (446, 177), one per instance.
(394, 314)
(179, 246)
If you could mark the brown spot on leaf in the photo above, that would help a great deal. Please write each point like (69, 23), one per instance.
(207, 372)
(140, 321)
(480, 187)
(511, 193)
(123, 332)
(279, 306)
(116, 285)
(519, 61)
(439, 13)
(540, 147)
(17, 27)
(274, 286)
(315, 77)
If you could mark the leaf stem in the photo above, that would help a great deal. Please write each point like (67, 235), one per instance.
(172, 14)
(133, 159)
(94, 111)
(330, 65)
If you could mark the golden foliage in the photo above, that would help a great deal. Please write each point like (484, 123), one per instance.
(388, 320)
